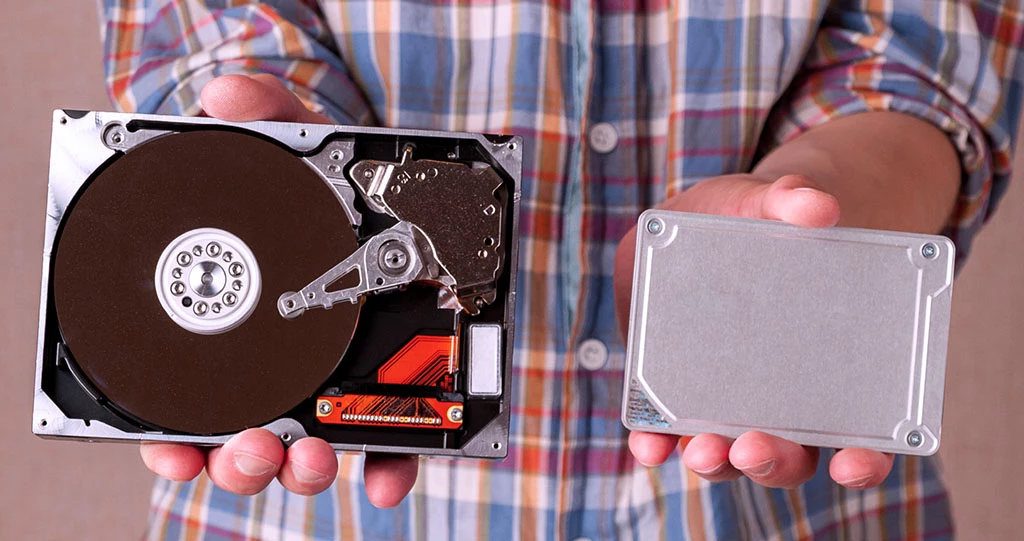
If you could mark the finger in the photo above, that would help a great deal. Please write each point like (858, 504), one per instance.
(860, 468)
(652, 449)
(389, 478)
(173, 461)
(622, 280)
(240, 98)
(797, 200)
(310, 467)
(247, 463)
(773, 462)
(708, 456)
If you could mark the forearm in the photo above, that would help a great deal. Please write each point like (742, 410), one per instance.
(888, 170)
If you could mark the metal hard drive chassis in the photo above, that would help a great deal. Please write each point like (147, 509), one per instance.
(86, 140)
(830, 337)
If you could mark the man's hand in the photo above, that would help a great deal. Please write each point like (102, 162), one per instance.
(768, 460)
(247, 463)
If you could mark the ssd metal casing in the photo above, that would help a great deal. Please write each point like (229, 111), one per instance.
(828, 337)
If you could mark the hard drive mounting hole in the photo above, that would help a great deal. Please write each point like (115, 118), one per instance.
(286, 437)
(380, 281)
(42, 422)
(496, 445)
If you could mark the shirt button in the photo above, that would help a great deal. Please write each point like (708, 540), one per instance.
(603, 138)
(592, 354)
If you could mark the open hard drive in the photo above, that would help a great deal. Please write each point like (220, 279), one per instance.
(352, 284)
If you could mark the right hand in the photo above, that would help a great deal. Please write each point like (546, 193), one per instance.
(248, 462)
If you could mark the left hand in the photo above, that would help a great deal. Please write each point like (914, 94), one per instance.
(768, 460)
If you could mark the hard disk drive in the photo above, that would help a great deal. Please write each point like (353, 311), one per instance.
(203, 277)
(828, 337)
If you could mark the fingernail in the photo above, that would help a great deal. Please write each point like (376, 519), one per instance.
(252, 465)
(761, 468)
(306, 476)
(859, 482)
(806, 189)
(711, 471)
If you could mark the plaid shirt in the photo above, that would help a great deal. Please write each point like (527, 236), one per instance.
(685, 91)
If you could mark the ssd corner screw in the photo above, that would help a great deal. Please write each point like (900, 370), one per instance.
(915, 439)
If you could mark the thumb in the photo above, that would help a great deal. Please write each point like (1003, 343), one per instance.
(240, 98)
(794, 199)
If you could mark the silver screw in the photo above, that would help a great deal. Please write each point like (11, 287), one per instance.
(929, 250)
(213, 249)
(184, 258)
(236, 285)
(177, 288)
(451, 156)
(113, 135)
(200, 308)
(336, 155)
(368, 173)
(395, 258)
(176, 273)
(333, 168)
(482, 254)
(455, 414)
(325, 407)
(915, 439)
(236, 269)
(654, 227)
(230, 298)
(228, 256)
(197, 250)
(215, 308)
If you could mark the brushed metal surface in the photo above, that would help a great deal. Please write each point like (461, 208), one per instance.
(829, 337)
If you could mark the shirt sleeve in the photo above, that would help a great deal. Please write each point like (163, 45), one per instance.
(954, 63)
(160, 53)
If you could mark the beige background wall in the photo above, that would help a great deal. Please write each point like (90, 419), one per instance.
(50, 56)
